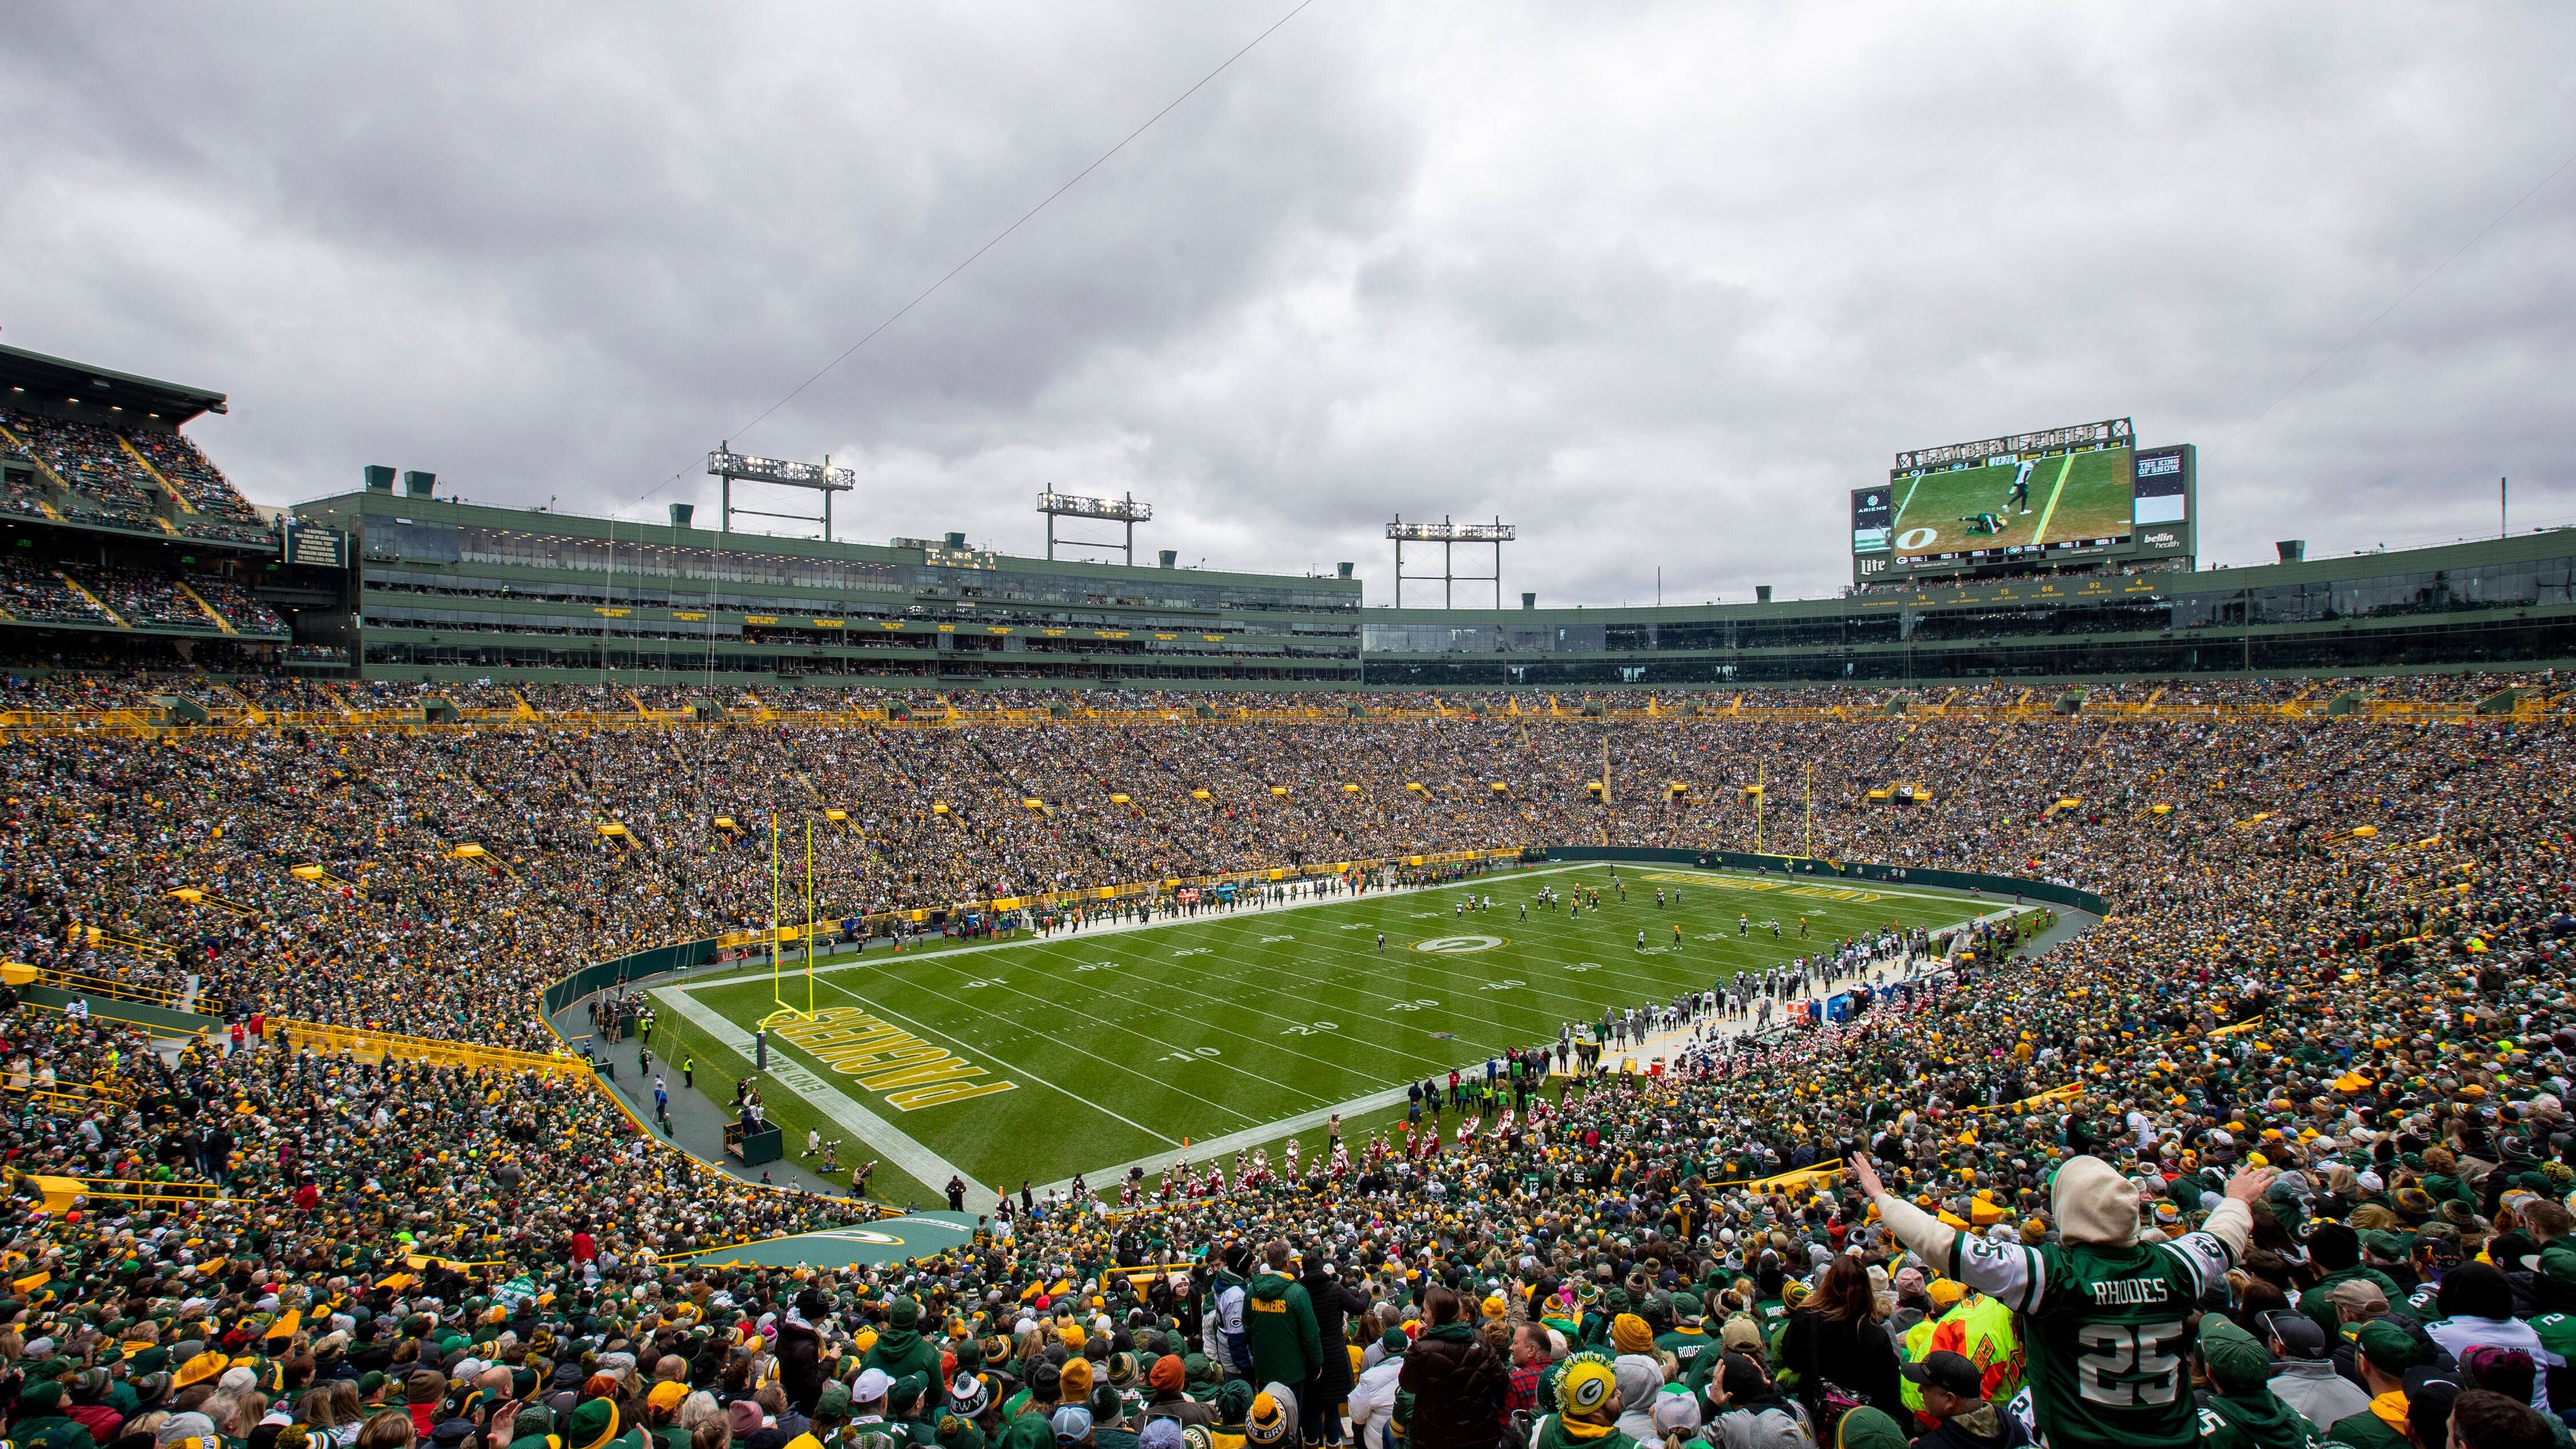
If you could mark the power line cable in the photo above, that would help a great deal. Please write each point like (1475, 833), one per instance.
(999, 237)
(2401, 300)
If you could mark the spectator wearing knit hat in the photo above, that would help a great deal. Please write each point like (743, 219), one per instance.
(2336, 1248)
(1167, 1395)
(901, 1350)
(2384, 1355)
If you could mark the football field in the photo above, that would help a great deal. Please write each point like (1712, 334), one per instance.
(2074, 496)
(1085, 1052)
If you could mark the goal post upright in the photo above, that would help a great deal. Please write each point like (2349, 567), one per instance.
(810, 917)
(774, 995)
(777, 948)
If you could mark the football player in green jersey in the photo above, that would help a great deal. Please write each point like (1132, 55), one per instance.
(2108, 1352)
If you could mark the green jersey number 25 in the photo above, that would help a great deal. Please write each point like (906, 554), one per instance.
(2127, 1365)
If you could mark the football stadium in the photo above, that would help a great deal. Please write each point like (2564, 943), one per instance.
(507, 973)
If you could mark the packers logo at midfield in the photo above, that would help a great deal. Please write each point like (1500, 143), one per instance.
(1458, 945)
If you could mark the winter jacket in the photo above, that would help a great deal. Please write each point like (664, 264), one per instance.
(1457, 1384)
(1279, 1325)
(1988, 1427)
(799, 1362)
(59, 1431)
(1221, 1328)
(1769, 1423)
(1372, 1403)
(2458, 1335)
(901, 1351)
(2317, 1392)
(1332, 1305)
(2318, 1302)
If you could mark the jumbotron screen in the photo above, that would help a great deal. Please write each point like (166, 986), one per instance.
(2030, 501)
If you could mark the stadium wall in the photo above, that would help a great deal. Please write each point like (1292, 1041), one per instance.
(449, 591)
(430, 589)
(2498, 603)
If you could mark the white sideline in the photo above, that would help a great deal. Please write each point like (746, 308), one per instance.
(891, 1142)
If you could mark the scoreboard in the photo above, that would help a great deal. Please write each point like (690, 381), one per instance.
(2083, 496)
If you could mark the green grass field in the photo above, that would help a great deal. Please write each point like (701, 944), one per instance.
(2076, 496)
(1234, 1029)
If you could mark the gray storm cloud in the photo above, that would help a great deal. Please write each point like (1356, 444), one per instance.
(1658, 283)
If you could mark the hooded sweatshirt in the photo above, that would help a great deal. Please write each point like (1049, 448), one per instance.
(900, 1350)
(2103, 1308)
(1279, 1327)
(2256, 1420)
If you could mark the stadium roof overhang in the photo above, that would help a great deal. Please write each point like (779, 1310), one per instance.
(57, 380)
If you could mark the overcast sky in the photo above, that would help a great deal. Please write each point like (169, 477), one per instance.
(1657, 283)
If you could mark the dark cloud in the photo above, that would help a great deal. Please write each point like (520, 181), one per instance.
(1659, 284)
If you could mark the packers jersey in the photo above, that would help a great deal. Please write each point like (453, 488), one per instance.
(2108, 1352)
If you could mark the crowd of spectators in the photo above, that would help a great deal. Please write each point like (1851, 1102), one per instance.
(34, 591)
(107, 476)
(224, 512)
(2103, 804)
(107, 484)
(2300, 1075)
(37, 595)
(146, 598)
(238, 605)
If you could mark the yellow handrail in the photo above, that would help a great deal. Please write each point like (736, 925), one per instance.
(359, 1040)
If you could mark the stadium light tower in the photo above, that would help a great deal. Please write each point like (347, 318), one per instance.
(726, 464)
(1126, 512)
(1449, 535)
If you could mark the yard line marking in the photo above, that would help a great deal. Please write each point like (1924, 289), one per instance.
(1233, 1004)
(1884, 888)
(1388, 893)
(1050, 1036)
(889, 1141)
(1216, 1147)
(1251, 955)
(1111, 991)
(757, 972)
(1213, 1148)
(1661, 981)
(1421, 961)
(1012, 1067)
(2040, 533)
(1115, 1025)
